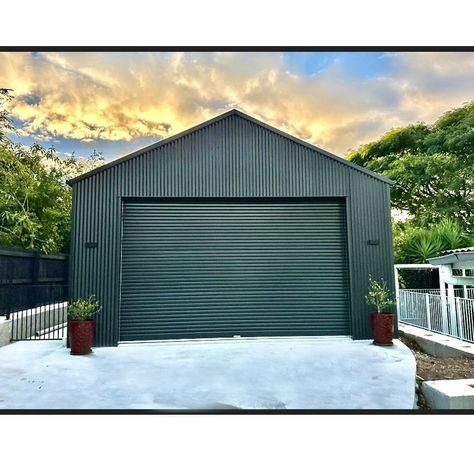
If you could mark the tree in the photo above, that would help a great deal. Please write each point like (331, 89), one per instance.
(433, 166)
(35, 200)
(5, 123)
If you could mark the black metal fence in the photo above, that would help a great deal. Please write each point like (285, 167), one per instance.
(32, 320)
(33, 292)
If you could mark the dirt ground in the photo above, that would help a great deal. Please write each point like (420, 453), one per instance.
(433, 368)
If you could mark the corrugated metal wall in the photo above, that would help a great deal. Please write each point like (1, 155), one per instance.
(232, 157)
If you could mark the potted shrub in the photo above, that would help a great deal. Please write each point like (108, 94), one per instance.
(81, 314)
(382, 320)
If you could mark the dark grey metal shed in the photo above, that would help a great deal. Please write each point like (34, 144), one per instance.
(231, 228)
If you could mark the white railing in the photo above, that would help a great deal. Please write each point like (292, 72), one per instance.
(450, 316)
(467, 292)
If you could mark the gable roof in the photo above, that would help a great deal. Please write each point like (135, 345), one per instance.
(217, 119)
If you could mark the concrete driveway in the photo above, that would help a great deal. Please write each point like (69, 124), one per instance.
(286, 373)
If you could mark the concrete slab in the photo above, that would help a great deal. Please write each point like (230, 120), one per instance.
(435, 344)
(285, 373)
(449, 394)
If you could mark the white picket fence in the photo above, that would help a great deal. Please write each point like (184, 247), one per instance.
(428, 310)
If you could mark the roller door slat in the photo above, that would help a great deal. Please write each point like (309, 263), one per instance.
(219, 269)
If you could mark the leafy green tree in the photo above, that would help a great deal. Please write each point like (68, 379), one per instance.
(5, 123)
(433, 166)
(35, 200)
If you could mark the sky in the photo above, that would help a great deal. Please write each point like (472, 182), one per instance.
(117, 103)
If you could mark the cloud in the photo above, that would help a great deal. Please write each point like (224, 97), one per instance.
(432, 83)
(128, 96)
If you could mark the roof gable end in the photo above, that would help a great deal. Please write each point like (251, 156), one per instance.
(223, 117)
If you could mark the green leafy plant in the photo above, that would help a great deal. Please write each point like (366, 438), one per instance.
(379, 295)
(413, 244)
(451, 234)
(84, 309)
(422, 245)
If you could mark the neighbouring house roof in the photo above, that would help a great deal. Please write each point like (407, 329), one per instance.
(453, 256)
(464, 249)
(222, 117)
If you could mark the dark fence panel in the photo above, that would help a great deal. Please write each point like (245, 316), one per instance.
(30, 320)
(28, 278)
(19, 266)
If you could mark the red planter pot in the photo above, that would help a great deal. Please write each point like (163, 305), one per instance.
(382, 328)
(372, 315)
(81, 336)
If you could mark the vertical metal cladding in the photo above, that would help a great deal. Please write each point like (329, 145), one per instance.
(231, 157)
(369, 215)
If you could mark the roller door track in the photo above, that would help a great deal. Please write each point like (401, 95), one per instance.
(203, 269)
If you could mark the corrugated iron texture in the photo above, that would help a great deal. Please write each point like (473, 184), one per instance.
(232, 157)
(248, 118)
